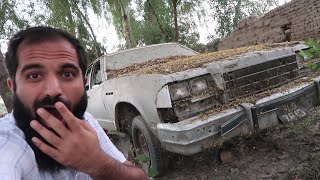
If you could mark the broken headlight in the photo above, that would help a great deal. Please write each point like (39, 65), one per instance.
(198, 85)
(187, 88)
(179, 90)
(191, 97)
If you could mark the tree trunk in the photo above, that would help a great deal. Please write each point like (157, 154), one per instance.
(5, 92)
(157, 19)
(175, 16)
(237, 14)
(93, 36)
(127, 28)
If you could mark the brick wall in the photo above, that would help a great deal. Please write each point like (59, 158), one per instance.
(295, 21)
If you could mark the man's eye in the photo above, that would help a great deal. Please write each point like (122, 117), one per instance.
(68, 74)
(33, 76)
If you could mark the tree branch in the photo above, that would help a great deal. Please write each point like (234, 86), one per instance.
(157, 19)
(79, 12)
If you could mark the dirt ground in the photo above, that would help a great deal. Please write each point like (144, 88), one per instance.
(286, 152)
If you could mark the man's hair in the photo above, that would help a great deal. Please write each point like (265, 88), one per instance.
(36, 35)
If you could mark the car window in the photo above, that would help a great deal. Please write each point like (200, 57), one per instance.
(96, 76)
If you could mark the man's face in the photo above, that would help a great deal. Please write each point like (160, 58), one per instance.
(48, 69)
(47, 72)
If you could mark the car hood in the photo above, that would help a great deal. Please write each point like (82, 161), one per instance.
(177, 65)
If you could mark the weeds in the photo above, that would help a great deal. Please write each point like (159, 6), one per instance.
(312, 52)
(141, 158)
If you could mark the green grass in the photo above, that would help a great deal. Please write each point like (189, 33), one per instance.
(305, 123)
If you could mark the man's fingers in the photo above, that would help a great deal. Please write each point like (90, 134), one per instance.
(46, 134)
(52, 122)
(45, 148)
(70, 119)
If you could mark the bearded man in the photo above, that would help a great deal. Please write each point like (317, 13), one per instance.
(49, 135)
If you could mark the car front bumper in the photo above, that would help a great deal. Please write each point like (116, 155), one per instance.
(195, 134)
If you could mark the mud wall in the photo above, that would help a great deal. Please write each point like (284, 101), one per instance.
(295, 21)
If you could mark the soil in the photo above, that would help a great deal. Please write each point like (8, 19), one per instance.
(289, 151)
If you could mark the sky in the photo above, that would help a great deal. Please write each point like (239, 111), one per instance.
(106, 33)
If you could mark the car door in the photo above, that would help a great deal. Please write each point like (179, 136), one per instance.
(95, 92)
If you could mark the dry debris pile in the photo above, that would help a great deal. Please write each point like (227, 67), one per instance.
(114, 73)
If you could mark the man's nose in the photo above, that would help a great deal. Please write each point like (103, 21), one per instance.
(53, 86)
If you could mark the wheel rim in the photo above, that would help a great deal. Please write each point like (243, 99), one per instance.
(141, 146)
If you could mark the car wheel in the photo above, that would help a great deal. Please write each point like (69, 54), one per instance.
(146, 143)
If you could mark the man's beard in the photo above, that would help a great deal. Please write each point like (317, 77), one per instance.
(23, 116)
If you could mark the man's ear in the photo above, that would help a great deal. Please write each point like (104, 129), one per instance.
(85, 79)
(10, 85)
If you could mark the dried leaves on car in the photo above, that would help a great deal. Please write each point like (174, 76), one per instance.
(181, 63)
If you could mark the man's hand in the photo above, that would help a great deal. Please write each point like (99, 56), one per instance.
(77, 145)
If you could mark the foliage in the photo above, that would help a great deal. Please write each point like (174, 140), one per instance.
(311, 53)
(228, 13)
(167, 21)
(299, 126)
(156, 26)
(123, 20)
(145, 22)
(72, 16)
(144, 159)
(10, 21)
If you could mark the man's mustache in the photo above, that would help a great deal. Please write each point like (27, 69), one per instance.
(50, 101)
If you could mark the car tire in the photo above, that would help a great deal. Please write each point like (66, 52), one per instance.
(146, 143)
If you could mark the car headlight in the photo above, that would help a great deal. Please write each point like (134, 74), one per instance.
(180, 90)
(199, 85)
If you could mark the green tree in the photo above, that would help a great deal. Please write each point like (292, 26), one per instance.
(123, 20)
(147, 22)
(228, 13)
(170, 20)
(72, 16)
(10, 21)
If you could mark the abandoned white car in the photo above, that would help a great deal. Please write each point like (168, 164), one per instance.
(168, 97)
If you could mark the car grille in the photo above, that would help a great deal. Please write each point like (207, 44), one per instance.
(260, 77)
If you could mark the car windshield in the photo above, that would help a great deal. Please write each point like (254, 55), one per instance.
(128, 57)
